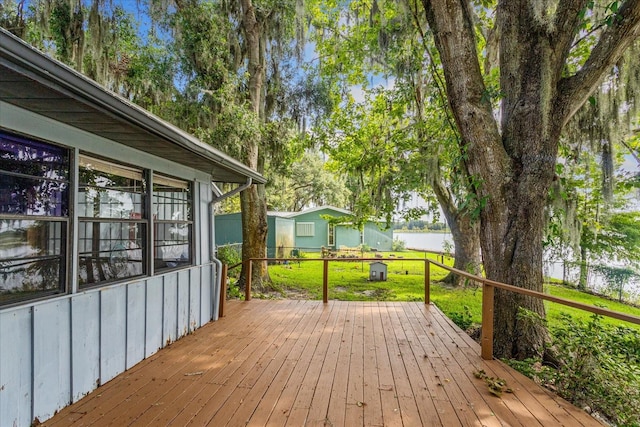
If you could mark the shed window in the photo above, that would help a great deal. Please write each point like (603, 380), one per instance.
(112, 221)
(305, 229)
(173, 223)
(34, 215)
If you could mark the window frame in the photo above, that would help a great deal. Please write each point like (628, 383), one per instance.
(189, 222)
(63, 219)
(139, 225)
(65, 165)
(305, 229)
(331, 234)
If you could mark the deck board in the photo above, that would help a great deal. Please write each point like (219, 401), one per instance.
(304, 363)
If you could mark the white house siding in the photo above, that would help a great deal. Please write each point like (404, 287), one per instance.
(55, 351)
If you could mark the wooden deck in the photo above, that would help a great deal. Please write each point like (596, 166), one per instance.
(290, 362)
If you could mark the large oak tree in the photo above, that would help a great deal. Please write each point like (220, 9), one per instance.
(512, 154)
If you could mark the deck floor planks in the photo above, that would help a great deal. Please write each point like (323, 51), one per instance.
(516, 411)
(355, 404)
(536, 399)
(429, 414)
(468, 404)
(253, 392)
(244, 339)
(128, 384)
(387, 386)
(372, 402)
(224, 385)
(305, 363)
(427, 359)
(336, 411)
(406, 399)
(239, 343)
(311, 402)
(281, 394)
(471, 402)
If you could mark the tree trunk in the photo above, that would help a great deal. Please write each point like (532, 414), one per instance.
(465, 232)
(466, 239)
(253, 200)
(512, 165)
(584, 269)
(254, 238)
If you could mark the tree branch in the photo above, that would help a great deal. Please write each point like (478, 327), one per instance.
(454, 34)
(573, 91)
(565, 26)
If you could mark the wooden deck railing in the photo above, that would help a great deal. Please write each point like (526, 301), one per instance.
(488, 290)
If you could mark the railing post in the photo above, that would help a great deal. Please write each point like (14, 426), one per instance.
(223, 289)
(325, 281)
(427, 282)
(247, 287)
(487, 322)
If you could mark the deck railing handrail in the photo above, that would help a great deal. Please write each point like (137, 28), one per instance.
(488, 288)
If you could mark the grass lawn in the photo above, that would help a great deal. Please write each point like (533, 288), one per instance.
(348, 281)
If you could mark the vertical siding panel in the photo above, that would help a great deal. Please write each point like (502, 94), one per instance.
(183, 303)
(135, 323)
(113, 330)
(51, 358)
(170, 310)
(194, 299)
(206, 293)
(15, 367)
(85, 344)
(153, 335)
(203, 230)
(215, 296)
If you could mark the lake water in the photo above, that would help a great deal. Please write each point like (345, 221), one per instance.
(438, 242)
(424, 241)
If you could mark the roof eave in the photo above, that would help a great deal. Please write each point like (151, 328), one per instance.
(54, 73)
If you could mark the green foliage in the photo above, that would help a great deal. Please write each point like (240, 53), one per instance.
(307, 181)
(364, 247)
(599, 368)
(463, 319)
(234, 291)
(230, 254)
(398, 245)
(617, 277)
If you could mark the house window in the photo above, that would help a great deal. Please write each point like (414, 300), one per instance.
(173, 223)
(34, 216)
(112, 221)
(332, 235)
(305, 229)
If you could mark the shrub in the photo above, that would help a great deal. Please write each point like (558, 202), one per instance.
(462, 319)
(230, 254)
(398, 245)
(599, 368)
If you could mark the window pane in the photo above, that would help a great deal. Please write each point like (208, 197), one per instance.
(31, 258)
(110, 251)
(106, 203)
(33, 158)
(28, 196)
(109, 190)
(172, 247)
(170, 202)
(305, 229)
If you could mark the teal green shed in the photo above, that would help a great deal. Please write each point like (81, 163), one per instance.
(314, 231)
(280, 233)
